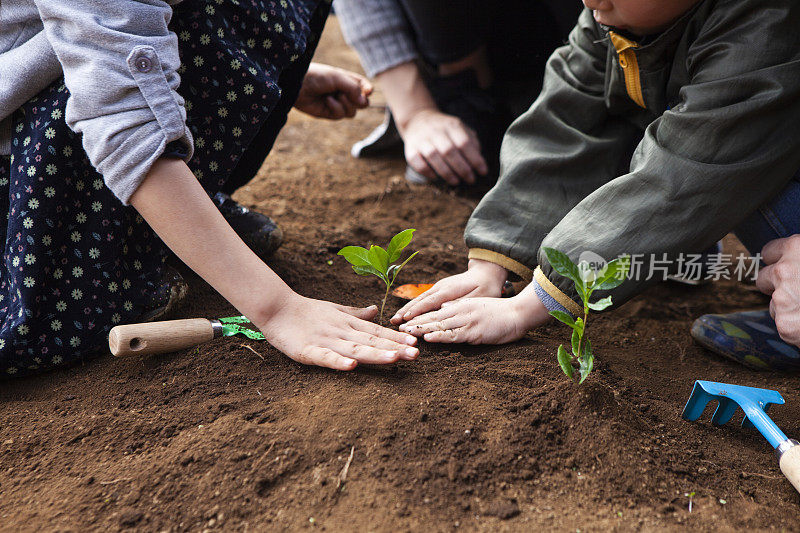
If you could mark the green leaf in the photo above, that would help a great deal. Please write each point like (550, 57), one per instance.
(585, 369)
(397, 268)
(564, 317)
(563, 265)
(583, 292)
(579, 325)
(378, 258)
(398, 244)
(599, 305)
(609, 284)
(576, 340)
(355, 255)
(565, 361)
(610, 270)
(368, 270)
(614, 274)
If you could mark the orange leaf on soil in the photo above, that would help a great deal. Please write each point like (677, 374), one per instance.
(410, 291)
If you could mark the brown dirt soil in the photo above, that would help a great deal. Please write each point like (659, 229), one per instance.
(474, 438)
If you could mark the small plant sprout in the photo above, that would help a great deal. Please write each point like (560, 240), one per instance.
(379, 262)
(586, 281)
(690, 495)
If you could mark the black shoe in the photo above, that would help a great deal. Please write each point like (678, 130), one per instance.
(384, 140)
(259, 232)
(168, 294)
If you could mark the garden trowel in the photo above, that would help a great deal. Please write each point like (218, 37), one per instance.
(754, 402)
(172, 335)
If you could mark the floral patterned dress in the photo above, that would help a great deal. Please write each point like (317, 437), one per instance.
(76, 262)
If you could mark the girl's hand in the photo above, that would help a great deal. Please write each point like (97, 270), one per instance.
(482, 278)
(315, 332)
(175, 205)
(332, 93)
(481, 320)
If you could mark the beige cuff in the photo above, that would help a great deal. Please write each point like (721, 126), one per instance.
(506, 262)
(556, 293)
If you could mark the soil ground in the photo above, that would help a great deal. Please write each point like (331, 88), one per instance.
(474, 438)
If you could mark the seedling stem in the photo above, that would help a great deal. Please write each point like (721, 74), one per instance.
(586, 281)
(378, 262)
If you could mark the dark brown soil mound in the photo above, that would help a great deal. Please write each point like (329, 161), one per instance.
(477, 438)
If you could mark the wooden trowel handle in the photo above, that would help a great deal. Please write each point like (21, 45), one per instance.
(790, 465)
(159, 337)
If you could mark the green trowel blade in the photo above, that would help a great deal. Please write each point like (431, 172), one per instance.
(230, 326)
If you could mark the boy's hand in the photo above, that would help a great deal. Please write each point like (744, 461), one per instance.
(480, 320)
(332, 93)
(781, 279)
(315, 332)
(482, 278)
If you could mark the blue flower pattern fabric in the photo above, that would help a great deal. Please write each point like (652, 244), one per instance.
(76, 261)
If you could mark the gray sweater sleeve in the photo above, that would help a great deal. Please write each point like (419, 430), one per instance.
(120, 65)
(378, 31)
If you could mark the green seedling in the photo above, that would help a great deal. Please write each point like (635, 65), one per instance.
(378, 262)
(691, 496)
(586, 281)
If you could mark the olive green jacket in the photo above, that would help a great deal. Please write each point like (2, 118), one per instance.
(662, 147)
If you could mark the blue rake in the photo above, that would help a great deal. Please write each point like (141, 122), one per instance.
(755, 403)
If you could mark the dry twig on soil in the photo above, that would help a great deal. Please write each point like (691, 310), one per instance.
(252, 350)
(343, 474)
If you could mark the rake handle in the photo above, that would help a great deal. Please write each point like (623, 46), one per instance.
(790, 465)
(160, 337)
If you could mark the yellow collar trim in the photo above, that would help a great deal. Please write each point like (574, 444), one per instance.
(630, 67)
(621, 43)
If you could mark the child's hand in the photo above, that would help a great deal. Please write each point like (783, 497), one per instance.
(310, 331)
(332, 93)
(315, 332)
(482, 278)
(481, 320)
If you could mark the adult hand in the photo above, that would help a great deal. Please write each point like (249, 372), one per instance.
(781, 279)
(332, 93)
(315, 332)
(481, 320)
(482, 278)
(437, 144)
